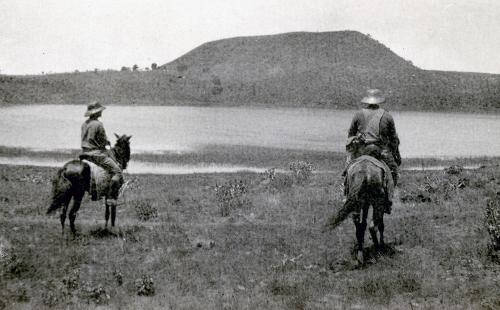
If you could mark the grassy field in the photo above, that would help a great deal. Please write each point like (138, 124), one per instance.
(173, 249)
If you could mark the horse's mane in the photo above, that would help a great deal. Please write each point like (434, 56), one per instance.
(121, 150)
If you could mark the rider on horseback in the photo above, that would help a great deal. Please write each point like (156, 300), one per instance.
(94, 142)
(372, 132)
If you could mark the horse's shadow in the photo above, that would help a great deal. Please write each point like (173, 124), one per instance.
(372, 253)
(80, 237)
(103, 233)
(372, 256)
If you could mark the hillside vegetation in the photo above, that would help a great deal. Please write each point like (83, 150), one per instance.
(330, 69)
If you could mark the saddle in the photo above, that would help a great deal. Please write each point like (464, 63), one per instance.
(99, 181)
(388, 182)
(373, 160)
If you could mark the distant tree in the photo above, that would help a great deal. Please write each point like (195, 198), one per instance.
(125, 68)
(147, 69)
(217, 88)
(96, 70)
(76, 71)
(154, 66)
(135, 68)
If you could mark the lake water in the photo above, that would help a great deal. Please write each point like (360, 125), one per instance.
(186, 129)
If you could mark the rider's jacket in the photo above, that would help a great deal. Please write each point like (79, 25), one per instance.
(375, 126)
(94, 137)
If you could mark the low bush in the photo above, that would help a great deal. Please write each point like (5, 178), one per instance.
(301, 170)
(145, 211)
(231, 195)
(145, 286)
(492, 223)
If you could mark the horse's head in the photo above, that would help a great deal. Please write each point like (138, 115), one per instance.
(122, 149)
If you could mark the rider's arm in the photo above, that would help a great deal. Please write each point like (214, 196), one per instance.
(390, 135)
(355, 123)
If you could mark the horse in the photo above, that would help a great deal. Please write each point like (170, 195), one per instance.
(367, 185)
(74, 179)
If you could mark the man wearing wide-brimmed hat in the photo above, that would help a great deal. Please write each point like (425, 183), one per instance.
(94, 142)
(373, 132)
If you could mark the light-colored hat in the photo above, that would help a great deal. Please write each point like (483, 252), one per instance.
(93, 108)
(374, 96)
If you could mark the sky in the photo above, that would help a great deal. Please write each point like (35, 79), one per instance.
(66, 35)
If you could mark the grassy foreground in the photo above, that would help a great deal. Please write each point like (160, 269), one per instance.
(172, 249)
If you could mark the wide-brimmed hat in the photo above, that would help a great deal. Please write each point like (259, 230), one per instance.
(374, 96)
(93, 108)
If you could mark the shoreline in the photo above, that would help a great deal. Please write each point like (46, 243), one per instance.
(261, 105)
(231, 159)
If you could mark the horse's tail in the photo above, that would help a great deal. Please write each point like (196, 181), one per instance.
(349, 206)
(60, 190)
(356, 185)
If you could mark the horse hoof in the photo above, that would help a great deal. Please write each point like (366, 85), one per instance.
(360, 257)
(381, 248)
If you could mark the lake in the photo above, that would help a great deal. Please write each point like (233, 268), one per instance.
(186, 129)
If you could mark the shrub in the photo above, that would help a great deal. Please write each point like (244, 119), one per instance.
(145, 286)
(71, 281)
(277, 182)
(435, 189)
(455, 169)
(117, 274)
(492, 222)
(269, 174)
(145, 211)
(301, 170)
(231, 196)
(17, 267)
(97, 294)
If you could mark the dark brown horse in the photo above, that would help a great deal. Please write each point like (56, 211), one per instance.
(73, 180)
(366, 187)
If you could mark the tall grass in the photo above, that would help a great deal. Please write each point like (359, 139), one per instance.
(267, 254)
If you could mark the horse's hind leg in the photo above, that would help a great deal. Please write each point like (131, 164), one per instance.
(65, 202)
(378, 224)
(373, 234)
(63, 215)
(360, 223)
(77, 200)
(376, 214)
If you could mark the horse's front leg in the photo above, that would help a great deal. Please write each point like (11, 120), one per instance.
(110, 206)
(106, 215)
(113, 215)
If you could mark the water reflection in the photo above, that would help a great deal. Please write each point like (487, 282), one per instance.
(138, 167)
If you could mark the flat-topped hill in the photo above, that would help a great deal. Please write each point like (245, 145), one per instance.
(329, 69)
